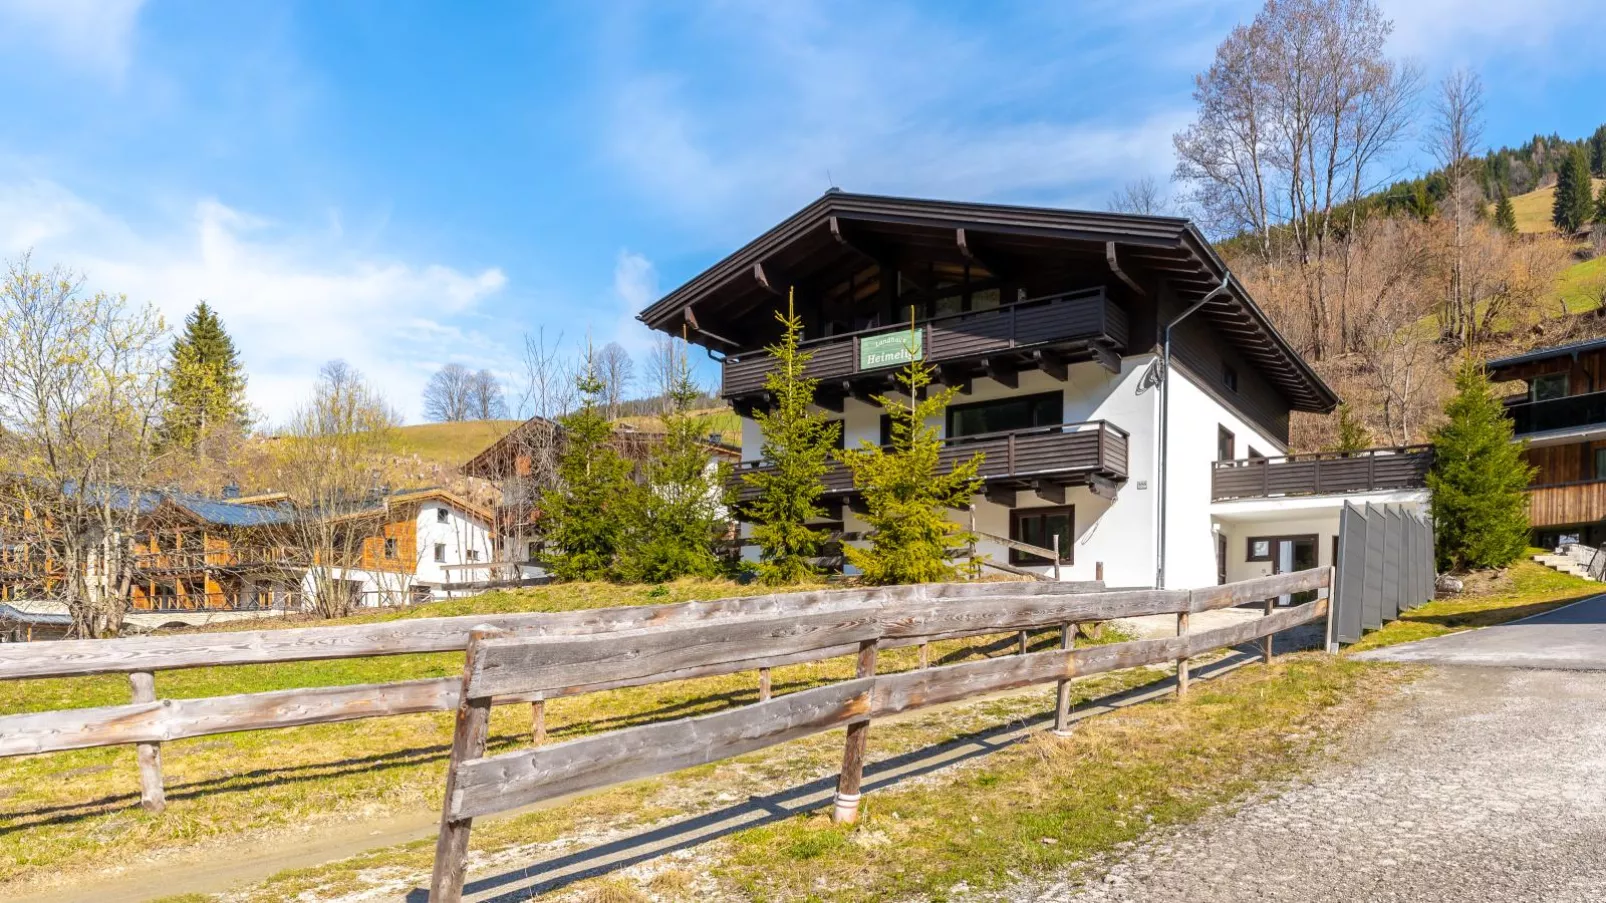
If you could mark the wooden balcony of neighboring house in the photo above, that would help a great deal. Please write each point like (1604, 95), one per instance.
(1045, 459)
(194, 560)
(1570, 412)
(1322, 473)
(1047, 333)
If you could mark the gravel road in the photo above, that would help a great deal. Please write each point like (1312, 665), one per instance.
(1478, 784)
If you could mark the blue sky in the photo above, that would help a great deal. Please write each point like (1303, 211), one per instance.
(404, 184)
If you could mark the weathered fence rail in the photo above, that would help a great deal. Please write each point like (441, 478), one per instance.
(499, 664)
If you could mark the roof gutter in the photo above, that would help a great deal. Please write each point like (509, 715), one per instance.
(1165, 424)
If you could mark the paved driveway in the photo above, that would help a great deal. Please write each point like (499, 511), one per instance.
(1571, 638)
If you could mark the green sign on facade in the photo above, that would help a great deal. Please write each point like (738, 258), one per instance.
(894, 349)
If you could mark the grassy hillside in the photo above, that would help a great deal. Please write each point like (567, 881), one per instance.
(450, 444)
(1533, 209)
(1581, 285)
(714, 420)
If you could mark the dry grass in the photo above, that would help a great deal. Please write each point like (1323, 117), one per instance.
(450, 444)
(1534, 208)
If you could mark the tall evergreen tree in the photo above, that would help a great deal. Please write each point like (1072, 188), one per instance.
(1505, 215)
(1575, 198)
(906, 494)
(1478, 479)
(206, 383)
(797, 446)
(1600, 205)
(678, 506)
(583, 517)
(1597, 152)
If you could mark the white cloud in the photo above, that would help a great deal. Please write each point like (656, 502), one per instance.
(635, 286)
(95, 35)
(1467, 31)
(292, 301)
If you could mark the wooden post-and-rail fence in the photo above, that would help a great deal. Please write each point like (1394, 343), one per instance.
(500, 665)
(147, 721)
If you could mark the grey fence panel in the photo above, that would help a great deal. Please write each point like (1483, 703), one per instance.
(1394, 564)
(1372, 595)
(1351, 566)
(1385, 566)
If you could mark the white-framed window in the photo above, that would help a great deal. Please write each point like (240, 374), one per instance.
(473, 554)
(442, 516)
(440, 552)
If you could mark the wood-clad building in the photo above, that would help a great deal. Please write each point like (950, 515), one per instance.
(1560, 413)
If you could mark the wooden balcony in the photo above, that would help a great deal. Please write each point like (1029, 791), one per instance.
(1044, 332)
(1565, 504)
(1044, 458)
(1323, 473)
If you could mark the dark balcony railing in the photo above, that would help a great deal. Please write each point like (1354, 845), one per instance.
(1078, 316)
(1323, 473)
(1066, 452)
(1571, 412)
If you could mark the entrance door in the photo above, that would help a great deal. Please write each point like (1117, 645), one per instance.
(1293, 553)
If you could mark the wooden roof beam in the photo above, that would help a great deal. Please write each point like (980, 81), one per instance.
(987, 260)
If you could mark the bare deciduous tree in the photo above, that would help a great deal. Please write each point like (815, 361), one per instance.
(80, 397)
(486, 401)
(330, 459)
(449, 396)
(1453, 139)
(1296, 115)
(613, 366)
(1141, 197)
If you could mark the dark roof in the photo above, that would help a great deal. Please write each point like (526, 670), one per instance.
(233, 514)
(1169, 246)
(1545, 354)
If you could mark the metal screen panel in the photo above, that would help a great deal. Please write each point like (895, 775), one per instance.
(1394, 562)
(1372, 594)
(1351, 566)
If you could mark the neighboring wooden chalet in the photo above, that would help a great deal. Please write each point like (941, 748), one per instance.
(194, 553)
(1561, 416)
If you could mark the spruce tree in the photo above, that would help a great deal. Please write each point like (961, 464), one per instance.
(1352, 433)
(906, 494)
(1600, 205)
(206, 383)
(1597, 152)
(1575, 199)
(583, 516)
(1505, 215)
(678, 512)
(1478, 479)
(797, 446)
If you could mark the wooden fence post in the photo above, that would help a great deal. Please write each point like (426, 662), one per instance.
(1056, 557)
(468, 742)
(1265, 652)
(763, 685)
(151, 794)
(925, 656)
(1022, 643)
(1182, 661)
(1062, 702)
(538, 721)
(846, 809)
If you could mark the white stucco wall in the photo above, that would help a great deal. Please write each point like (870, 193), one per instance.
(1239, 520)
(461, 533)
(1195, 417)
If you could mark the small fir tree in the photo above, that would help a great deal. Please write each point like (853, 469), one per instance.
(1478, 479)
(206, 383)
(583, 516)
(906, 495)
(797, 445)
(1505, 215)
(678, 507)
(1575, 199)
(1352, 433)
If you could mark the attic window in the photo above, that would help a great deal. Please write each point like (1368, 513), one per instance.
(442, 515)
(1229, 378)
